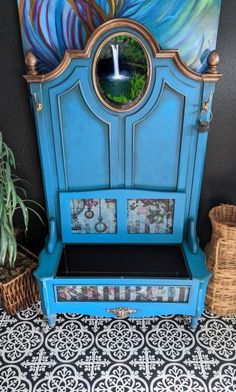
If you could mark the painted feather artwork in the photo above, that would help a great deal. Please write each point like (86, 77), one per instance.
(49, 27)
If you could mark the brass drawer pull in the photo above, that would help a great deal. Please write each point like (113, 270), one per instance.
(122, 312)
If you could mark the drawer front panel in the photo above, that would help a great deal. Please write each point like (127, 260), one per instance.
(121, 293)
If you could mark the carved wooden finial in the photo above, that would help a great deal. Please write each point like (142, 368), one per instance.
(213, 62)
(31, 63)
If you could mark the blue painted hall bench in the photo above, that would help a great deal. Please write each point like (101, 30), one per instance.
(122, 130)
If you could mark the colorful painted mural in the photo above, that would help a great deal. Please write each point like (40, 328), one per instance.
(93, 216)
(49, 27)
(67, 293)
(150, 216)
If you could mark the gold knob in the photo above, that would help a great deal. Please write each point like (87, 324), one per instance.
(31, 63)
(122, 312)
(213, 62)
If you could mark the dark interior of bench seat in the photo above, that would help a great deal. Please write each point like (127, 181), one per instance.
(123, 260)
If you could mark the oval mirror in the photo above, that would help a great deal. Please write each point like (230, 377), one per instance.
(121, 71)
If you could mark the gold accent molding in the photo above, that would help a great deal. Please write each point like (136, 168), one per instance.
(137, 27)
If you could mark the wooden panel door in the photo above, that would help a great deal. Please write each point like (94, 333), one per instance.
(161, 137)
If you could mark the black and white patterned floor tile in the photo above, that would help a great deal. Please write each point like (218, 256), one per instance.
(90, 354)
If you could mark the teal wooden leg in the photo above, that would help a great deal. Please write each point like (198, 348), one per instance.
(194, 322)
(51, 319)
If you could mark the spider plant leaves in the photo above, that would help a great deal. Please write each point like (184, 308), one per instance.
(12, 158)
(12, 253)
(3, 246)
(20, 188)
(10, 202)
(16, 178)
(6, 155)
(28, 201)
(24, 212)
(8, 245)
(36, 203)
(9, 188)
(37, 214)
(1, 199)
(0, 143)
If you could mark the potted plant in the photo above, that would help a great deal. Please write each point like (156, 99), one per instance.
(18, 288)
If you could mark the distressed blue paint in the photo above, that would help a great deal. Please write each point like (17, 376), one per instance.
(91, 148)
(46, 152)
(192, 236)
(207, 94)
(76, 107)
(152, 151)
(157, 119)
(52, 235)
(151, 144)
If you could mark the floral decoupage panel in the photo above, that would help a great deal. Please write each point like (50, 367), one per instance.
(67, 293)
(93, 216)
(150, 216)
(49, 27)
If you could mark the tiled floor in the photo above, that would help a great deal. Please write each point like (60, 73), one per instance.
(83, 354)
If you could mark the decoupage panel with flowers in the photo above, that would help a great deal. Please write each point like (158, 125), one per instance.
(148, 216)
(69, 293)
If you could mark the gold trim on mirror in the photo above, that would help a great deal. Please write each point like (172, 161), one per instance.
(122, 23)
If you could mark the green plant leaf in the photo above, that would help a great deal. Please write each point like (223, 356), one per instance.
(37, 214)
(12, 158)
(36, 203)
(24, 212)
(0, 142)
(3, 246)
(1, 199)
(10, 201)
(21, 189)
(7, 223)
(12, 253)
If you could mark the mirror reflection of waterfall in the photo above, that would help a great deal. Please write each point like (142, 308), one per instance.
(115, 53)
(121, 71)
(116, 73)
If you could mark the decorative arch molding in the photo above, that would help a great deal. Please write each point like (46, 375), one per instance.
(110, 26)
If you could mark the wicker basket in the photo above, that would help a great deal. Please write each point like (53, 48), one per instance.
(22, 290)
(221, 261)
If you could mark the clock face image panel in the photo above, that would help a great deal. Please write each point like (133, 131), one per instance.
(93, 215)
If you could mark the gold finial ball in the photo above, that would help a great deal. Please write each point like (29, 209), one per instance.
(31, 63)
(213, 59)
(30, 59)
